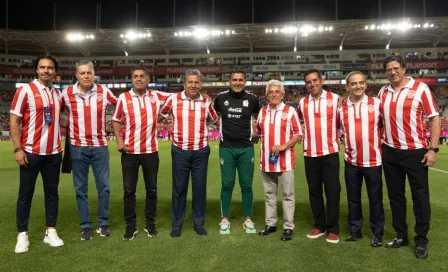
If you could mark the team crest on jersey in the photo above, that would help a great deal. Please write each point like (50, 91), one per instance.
(203, 105)
(226, 103)
(284, 116)
(246, 103)
(37, 95)
(330, 103)
(152, 100)
(221, 161)
(371, 108)
(411, 94)
(99, 97)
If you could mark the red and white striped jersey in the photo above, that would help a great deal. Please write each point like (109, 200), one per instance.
(320, 117)
(189, 130)
(403, 111)
(362, 134)
(139, 115)
(276, 127)
(38, 137)
(87, 114)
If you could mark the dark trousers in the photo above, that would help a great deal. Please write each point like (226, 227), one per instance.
(397, 165)
(185, 162)
(324, 172)
(49, 167)
(130, 164)
(353, 182)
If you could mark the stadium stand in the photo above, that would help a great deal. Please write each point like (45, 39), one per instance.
(361, 49)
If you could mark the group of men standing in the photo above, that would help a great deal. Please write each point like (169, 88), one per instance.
(35, 127)
(397, 113)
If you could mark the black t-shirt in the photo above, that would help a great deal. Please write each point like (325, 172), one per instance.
(236, 111)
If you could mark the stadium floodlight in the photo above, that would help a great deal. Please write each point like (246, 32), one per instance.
(330, 28)
(400, 26)
(208, 51)
(295, 49)
(289, 29)
(201, 33)
(306, 29)
(321, 28)
(76, 37)
(204, 33)
(133, 35)
(340, 47)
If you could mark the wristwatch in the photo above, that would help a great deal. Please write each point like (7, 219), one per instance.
(17, 149)
(434, 149)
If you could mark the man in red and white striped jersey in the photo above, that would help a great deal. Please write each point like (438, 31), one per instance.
(280, 129)
(404, 102)
(86, 104)
(35, 113)
(190, 151)
(319, 113)
(360, 122)
(138, 111)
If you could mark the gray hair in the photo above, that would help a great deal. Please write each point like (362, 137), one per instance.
(84, 62)
(193, 72)
(351, 74)
(274, 82)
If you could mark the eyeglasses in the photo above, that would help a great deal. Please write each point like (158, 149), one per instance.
(395, 70)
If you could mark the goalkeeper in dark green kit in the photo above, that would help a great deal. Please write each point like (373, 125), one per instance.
(237, 109)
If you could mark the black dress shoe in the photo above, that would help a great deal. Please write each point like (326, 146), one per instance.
(287, 235)
(267, 230)
(353, 237)
(421, 252)
(397, 242)
(176, 232)
(200, 230)
(377, 241)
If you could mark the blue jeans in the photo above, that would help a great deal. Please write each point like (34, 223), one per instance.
(82, 158)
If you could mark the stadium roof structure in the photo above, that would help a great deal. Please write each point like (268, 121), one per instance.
(239, 38)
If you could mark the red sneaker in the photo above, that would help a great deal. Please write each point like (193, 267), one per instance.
(315, 233)
(332, 238)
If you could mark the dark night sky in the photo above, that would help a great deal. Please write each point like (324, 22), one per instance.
(159, 13)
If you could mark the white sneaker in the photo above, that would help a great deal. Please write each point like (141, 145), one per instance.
(224, 227)
(52, 238)
(22, 243)
(249, 226)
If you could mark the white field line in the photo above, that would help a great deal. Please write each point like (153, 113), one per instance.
(443, 171)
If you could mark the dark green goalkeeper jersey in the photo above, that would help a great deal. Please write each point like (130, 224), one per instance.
(236, 111)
